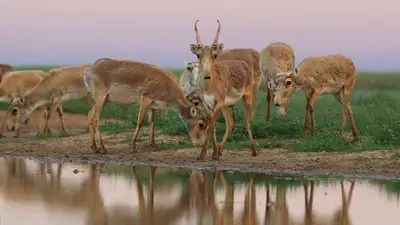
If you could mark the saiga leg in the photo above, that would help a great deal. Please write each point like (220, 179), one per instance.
(210, 130)
(61, 116)
(142, 115)
(53, 108)
(4, 122)
(228, 129)
(248, 110)
(152, 136)
(269, 102)
(347, 92)
(91, 129)
(233, 114)
(316, 93)
(96, 119)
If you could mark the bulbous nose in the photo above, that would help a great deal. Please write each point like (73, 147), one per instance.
(277, 104)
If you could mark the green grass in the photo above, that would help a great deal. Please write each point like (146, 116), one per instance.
(375, 101)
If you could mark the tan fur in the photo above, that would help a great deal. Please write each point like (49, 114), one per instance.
(250, 56)
(316, 75)
(14, 85)
(64, 83)
(223, 83)
(276, 55)
(126, 82)
(4, 68)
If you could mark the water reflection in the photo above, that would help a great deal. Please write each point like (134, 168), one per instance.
(106, 195)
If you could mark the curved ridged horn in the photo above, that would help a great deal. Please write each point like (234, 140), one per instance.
(217, 34)
(197, 33)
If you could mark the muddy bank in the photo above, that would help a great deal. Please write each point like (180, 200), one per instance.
(77, 149)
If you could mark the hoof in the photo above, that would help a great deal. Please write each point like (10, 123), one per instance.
(155, 147)
(200, 158)
(215, 157)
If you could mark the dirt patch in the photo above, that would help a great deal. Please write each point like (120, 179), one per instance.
(77, 149)
(73, 122)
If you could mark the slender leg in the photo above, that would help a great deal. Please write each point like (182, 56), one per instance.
(5, 122)
(350, 113)
(91, 129)
(229, 124)
(210, 130)
(314, 96)
(233, 114)
(214, 118)
(61, 116)
(96, 118)
(17, 124)
(269, 102)
(248, 110)
(142, 115)
(152, 141)
(53, 108)
(305, 129)
(340, 97)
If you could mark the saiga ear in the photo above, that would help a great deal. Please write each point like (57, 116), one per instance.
(296, 71)
(194, 48)
(220, 48)
(185, 63)
(278, 70)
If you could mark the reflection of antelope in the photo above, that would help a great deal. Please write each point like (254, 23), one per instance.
(153, 215)
(340, 217)
(279, 214)
(249, 216)
(20, 184)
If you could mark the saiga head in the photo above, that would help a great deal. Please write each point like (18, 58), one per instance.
(17, 105)
(199, 117)
(205, 53)
(283, 87)
(191, 72)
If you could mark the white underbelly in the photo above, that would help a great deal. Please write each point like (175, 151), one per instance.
(230, 101)
(70, 96)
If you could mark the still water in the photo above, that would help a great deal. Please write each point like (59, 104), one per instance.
(42, 194)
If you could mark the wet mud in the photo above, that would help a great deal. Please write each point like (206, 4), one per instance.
(77, 149)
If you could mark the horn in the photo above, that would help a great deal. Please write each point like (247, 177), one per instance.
(217, 34)
(196, 30)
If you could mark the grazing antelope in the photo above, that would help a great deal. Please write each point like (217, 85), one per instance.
(14, 85)
(126, 82)
(223, 83)
(276, 56)
(334, 74)
(64, 83)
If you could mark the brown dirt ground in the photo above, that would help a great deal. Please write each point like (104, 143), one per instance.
(77, 148)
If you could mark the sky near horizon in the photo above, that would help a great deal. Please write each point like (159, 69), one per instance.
(61, 32)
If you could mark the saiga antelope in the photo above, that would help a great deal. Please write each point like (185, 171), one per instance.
(126, 82)
(223, 83)
(250, 56)
(316, 75)
(14, 85)
(62, 84)
(276, 55)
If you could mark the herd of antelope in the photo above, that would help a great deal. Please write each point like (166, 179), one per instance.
(207, 87)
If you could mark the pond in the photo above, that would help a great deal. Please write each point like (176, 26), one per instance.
(81, 194)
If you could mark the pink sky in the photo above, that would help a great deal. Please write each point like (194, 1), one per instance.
(159, 32)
